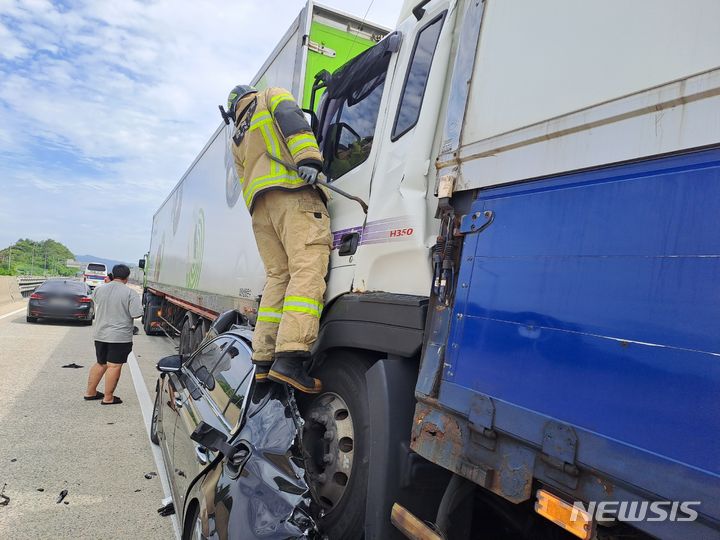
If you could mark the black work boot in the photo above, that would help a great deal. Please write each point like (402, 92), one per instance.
(262, 368)
(288, 368)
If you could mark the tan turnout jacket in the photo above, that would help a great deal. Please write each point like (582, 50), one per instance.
(270, 121)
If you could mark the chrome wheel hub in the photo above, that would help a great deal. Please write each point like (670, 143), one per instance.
(329, 439)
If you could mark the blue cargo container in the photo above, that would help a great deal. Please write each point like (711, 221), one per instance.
(583, 351)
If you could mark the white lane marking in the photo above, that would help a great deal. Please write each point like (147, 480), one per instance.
(146, 407)
(13, 312)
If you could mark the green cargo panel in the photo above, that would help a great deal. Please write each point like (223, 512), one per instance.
(346, 46)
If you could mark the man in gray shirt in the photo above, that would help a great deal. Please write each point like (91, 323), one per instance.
(116, 305)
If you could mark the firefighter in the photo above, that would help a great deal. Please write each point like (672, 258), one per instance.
(291, 225)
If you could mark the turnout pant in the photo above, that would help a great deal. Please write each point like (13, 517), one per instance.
(292, 231)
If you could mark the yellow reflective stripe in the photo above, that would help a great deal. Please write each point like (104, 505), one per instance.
(276, 100)
(260, 119)
(299, 139)
(259, 124)
(270, 315)
(264, 181)
(309, 311)
(305, 300)
(301, 142)
(296, 151)
(269, 147)
(303, 304)
(279, 178)
(275, 150)
(261, 115)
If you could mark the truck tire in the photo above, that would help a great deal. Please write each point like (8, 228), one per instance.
(31, 319)
(336, 436)
(146, 321)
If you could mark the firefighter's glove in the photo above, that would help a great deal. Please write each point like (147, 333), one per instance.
(308, 173)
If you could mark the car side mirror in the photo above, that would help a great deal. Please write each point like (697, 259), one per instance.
(170, 364)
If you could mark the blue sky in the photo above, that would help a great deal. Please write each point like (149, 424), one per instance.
(103, 105)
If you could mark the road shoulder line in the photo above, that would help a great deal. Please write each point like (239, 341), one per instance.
(146, 407)
(13, 312)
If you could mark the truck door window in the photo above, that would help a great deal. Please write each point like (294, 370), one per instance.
(416, 78)
(350, 111)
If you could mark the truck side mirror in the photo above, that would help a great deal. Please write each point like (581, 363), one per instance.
(141, 263)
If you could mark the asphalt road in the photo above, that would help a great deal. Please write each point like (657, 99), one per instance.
(51, 440)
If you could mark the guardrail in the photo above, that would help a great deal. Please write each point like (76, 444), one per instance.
(28, 284)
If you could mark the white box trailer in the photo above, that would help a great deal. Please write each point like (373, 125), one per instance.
(202, 258)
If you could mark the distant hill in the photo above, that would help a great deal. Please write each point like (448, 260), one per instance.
(36, 258)
(107, 262)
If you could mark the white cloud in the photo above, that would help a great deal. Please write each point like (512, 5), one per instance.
(10, 47)
(111, 101)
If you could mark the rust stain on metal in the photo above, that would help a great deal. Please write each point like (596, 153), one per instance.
(437, 436)
(607, 487)
(434, 431)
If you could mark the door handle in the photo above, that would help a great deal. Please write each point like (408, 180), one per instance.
(348, 244)
(178, 403)
(202, 455)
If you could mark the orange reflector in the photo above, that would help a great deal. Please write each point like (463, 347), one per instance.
(573, 519)
(159, 312)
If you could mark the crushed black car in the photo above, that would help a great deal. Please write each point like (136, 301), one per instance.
(231, 447)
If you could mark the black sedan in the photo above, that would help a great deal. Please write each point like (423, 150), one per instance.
(231, 447)
(62, 299)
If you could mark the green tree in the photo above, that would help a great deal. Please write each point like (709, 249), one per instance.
(26, 256)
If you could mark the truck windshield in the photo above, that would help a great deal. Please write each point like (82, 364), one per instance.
(92, 267)
(349, 110)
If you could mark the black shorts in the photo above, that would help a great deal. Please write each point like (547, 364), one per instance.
(115, 353)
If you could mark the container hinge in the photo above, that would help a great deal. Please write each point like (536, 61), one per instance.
(319, 48)
(481, 417)
(559, 449)
(476, 222)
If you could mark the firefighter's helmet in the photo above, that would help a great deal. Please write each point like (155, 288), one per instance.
(236, 94)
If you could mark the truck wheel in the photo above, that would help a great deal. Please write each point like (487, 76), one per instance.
(146, 321)
(336, 436)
